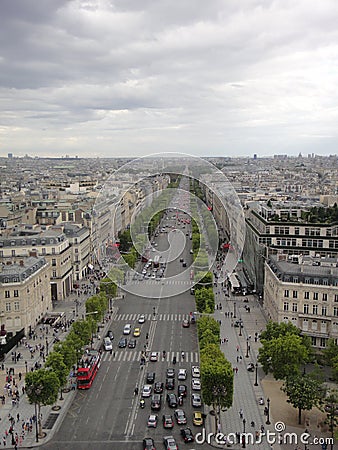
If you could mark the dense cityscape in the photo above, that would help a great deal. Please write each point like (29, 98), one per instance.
(251, 316)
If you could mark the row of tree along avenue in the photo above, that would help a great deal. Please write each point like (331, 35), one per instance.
(43, 385)
(216, 371)
(284, 353)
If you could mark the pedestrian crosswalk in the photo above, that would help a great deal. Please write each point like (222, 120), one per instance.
(167, 281)
(130, 317)
(132, 355)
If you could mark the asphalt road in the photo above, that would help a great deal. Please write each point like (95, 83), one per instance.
(108, 415)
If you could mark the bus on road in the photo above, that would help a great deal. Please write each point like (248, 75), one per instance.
(87, 368)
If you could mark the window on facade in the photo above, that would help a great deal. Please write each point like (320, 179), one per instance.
(314, 325)
(16, 293)
(295, 294)
(54, 274)
(7, 294)
(16, 306)
(314, 309)
(294, 307)
(286, 306)
(8, 306)
(315, 296)
(335, 311)
(306, 295)
(296, 230)
(322, 342)
(53, 250)
(306, 309)
(336, 297)
(13, 252)
(324, 310)
(286, 293)
(324, 297)
(54, 262)
(313, 341)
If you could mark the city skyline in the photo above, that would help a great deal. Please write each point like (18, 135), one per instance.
(122, 79)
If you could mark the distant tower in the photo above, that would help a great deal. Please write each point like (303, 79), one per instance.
(255, 156)
(10, 155)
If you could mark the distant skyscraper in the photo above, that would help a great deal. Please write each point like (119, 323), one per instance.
(10, 155)
(255, 156)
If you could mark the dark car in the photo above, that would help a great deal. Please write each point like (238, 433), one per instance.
(148, 444)
(167, 421)
(184, 264)
(110, 335)
(172, 400)
(122, 343)
(158, 387)
(132, 343)
(170, 372)
(150, 377)
(187, 435)
(180, 417)
(156, 402)
(182, 390)
(170, 384)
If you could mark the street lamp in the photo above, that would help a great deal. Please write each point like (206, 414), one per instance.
(36, 391)
(47, 347)
(247, 348)
(256, 369)
(234, 310)
(268, 412)
(243, 437)
(240, 328)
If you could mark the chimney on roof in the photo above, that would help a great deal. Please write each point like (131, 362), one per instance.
(33, 253)
(21, 262)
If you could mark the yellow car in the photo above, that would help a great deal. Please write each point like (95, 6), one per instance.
(137, 332)
(197, 418)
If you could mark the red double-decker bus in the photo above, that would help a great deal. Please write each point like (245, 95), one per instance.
(87, 368)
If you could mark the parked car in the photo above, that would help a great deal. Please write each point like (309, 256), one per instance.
(122, 343)
(146, 391)
(169, 443)
(170, 372)
(196, 400)
(182, 374)
(132, 343)
(150, 377)
(158, 387)
(156, 402)
(182, 390)
(170, 384)
(152, 421)
(180, 417)
(167, 421)
(153, 356)
(197, 418)
(172, 400)
(195, 372)
(187, 435)
(148, 444)
(195, 384)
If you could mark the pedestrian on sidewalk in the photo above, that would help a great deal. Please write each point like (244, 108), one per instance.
(240, 412)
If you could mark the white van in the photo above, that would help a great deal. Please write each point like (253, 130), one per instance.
(127, 329)
(107, 344)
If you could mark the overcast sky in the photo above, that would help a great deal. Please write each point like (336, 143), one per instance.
(133, 77)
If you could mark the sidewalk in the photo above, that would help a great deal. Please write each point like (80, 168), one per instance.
(17, 413)
(246, 394)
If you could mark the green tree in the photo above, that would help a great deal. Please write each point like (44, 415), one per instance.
(82, 329)
(42, 388)
(283, 356)
(125, 241)
(217, 379)
(108, 287)
(206, 324)
(208, 338)
(67, 350)
(303, 392)
(330, 407)
(56, 363)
